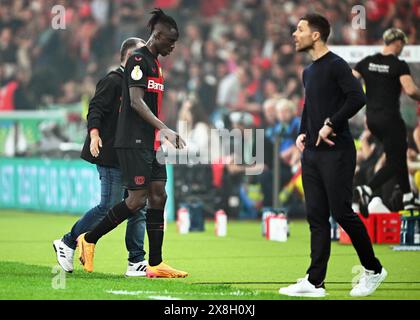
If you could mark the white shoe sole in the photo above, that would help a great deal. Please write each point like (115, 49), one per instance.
(381, 279)
(56, 244)
(411, 207)
(305, 295)
(135, 274)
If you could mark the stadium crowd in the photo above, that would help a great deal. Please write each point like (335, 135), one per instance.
(234, 66)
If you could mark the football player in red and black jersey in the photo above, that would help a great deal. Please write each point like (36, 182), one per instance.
(99, 149)
(136, 142)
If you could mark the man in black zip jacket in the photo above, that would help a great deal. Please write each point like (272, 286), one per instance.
(332, 96)
(98, 149)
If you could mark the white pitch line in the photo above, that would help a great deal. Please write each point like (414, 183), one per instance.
(237, 293)
(163, 298)
(124, 292)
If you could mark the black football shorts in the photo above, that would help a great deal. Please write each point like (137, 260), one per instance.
(139, 167)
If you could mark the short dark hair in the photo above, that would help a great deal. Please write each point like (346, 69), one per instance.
(319, 23)
(158, 16)
(129, 44)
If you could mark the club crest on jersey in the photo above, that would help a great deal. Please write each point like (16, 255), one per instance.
(136, 74)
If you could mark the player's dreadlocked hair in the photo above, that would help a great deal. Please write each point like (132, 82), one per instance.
(158, 16)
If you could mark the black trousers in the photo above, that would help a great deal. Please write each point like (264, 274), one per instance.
(327, 181)
(393, 135)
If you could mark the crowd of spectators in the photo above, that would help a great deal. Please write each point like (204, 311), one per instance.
(232, 56)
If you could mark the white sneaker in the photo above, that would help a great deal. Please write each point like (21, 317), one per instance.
(64, 255)
(368, 283)
(303, 288)
(136, 269)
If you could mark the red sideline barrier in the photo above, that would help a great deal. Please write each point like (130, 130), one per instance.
(381, 227)
(388, 227)
(370, 226)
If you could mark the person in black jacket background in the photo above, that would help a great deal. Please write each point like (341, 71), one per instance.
(98, 149)
(384, 75)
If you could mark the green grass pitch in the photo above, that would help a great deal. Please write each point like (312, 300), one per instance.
(242, 265)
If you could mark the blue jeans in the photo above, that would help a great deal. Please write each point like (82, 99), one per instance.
(112, 193)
